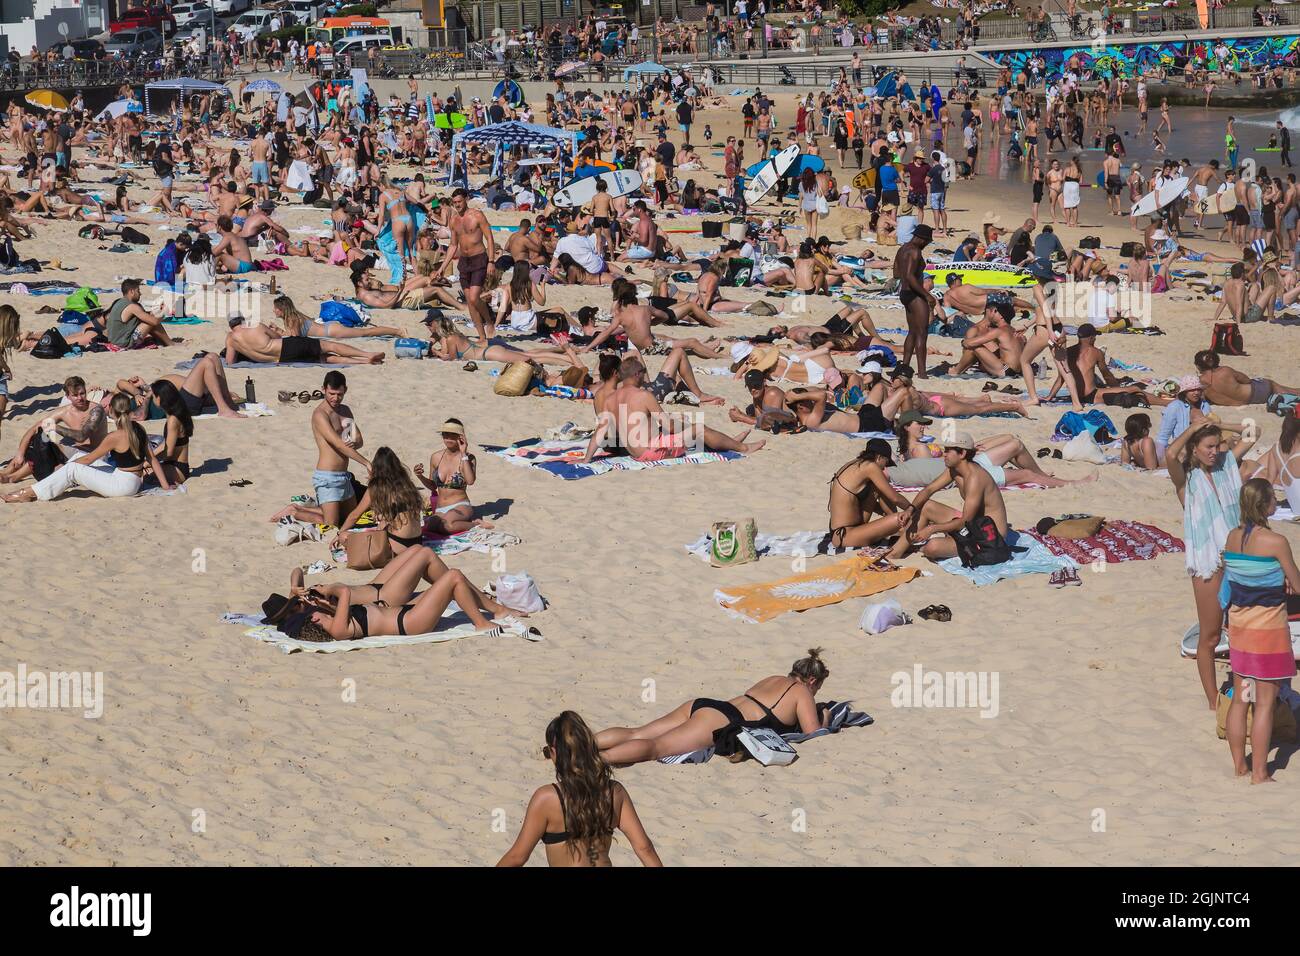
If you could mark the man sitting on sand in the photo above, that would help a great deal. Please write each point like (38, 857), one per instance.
(257, 343)
(980, 498)
(634, 319)
(232, 253)
(991, 342)
(130, 325)
(634, 420)
(1225, 385)
(1093, 378)
(81, 424)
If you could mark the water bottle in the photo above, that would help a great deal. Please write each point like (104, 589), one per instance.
(250, 392)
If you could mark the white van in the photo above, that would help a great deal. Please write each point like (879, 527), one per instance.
(254, 23)
(359, 46)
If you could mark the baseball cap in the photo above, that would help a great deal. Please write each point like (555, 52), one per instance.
(868, 367)
(740, 351)
(961, 440)
(1087, 331)
(902, 371)
(879, 448)
(912, 416)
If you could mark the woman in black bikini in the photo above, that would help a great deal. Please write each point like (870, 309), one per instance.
(451, 471)
(859, 490)
(793, 709)
(174, 455)
(575, 817)
(398, 510)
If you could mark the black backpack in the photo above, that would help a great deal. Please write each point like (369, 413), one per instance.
(51, 346)
(1227, 339)
(134, 236)
(981, 544)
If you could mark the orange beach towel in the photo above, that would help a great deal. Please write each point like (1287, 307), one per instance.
(852, 577)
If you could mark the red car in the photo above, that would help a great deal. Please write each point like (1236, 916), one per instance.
(136, 17)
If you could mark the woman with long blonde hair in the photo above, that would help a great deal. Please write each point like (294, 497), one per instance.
(115, 469)
(299, 323)
(575, 817)
(398, 510)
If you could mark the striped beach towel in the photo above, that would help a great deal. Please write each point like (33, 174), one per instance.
(1211, 510)
(1259, 638)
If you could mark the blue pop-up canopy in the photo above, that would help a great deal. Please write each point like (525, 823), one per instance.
(643, 69)
(512, 133)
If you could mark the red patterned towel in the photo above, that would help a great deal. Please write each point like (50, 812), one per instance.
(1116, 541)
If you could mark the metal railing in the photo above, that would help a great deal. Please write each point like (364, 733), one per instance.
(97, 74)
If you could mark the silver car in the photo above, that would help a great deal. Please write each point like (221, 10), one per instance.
(132, 43)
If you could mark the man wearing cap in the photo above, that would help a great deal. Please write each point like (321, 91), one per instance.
(260, 221)
(992, 342)
(918, 303)
(768, 410)
(980, 498)
(859, 490)
(810, 406)
(1087, 364)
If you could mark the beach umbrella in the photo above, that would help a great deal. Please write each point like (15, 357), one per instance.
(263, 86)
(47, 100)
(115, 109)
(573, 66)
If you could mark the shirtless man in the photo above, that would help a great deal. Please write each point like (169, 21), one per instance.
(646, 241)
(1234, 294)
(1201, 182)
(994, 344)
(634, 319)
(918, 302)
(1114, 183)
(1086, 364)
(81, 424)
(1227, 386)
(471, 237)
(260, 221)
(604, 220)
(338, 439)
(634, 420)
(232, 253)
(415, 292)
(522, 246)
(768, 410)
(257, 343)
(980, 497)
(973, 300)
(203, 385)
(259, 152)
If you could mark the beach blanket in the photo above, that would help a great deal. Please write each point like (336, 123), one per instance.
(852, 577)
(1035, 559)
(841, 715)
(1116, 541)
(483, 540)
(188, 364)
(564, 458)
(460, 628)
(256, 410)
(800, 544)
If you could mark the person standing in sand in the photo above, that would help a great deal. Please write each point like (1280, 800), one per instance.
(474, 249)
(338, 439)
(918, 303)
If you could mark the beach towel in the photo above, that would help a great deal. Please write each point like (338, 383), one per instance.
(1211, 510)
(1116, 541)
(188, 364)
(799, 544)
(1035, 559)
(460, 629)
(564, 458)
(1072, 423)
(852, 577)
(256, 410)
(841, 715)
(185, 320)
(483, 540)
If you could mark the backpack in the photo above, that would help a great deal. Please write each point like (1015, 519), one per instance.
(341, 312)
(83, 300)
(1090, 242)
(134, 236)
(51, 346)
(8, 255)
(164, 267)
(981, 544)
(91, 231)
(1094, 420)
(1227, 339)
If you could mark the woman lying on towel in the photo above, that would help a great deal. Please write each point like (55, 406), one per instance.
(299, 323)
(451, 346)
(575, 817)
(785, 705)
(328, 614)
(115, 469)
(921, 463)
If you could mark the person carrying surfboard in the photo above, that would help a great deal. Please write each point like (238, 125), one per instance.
(918, 303)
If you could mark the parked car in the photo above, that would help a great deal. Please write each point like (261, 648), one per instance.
(255, 22)
(304, 11)
(224, 7)
(129, 44)
(358, 46)
(134, 18)
(87, 49)
(190, 13)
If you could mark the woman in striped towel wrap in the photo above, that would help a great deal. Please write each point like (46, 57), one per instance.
(1259, 566)
(1208, 482)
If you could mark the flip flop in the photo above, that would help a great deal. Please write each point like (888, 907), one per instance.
(469, 367)
(990, 387)
(317, 395)
(240, 483)
(304, 397)
(286, 397)
(1044, 453)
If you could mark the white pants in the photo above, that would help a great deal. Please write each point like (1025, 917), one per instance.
(101, 478)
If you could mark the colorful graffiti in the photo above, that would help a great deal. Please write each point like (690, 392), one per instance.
(1131, 58)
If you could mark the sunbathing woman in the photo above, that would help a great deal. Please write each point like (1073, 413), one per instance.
(328, 614)
(517, 310)
(398, 513)
(850, 330)
(299, 323)
(115, 469)
(568, 272)
(785, 705)
(946, 405)
(993, 454)
(452, 469)
(809, 368)
(174, 455)
(451, 346)
(859, 490)
(576, 816)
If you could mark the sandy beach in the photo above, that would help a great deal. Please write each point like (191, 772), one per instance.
(214, 748)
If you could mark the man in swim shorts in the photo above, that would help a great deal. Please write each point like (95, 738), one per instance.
(257, 343)
(338, 439)
(474, 248)
(1227, 386)
(918, 303)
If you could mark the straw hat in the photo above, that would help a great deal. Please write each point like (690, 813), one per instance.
(764, 358)
(851, 232)
(452, 428)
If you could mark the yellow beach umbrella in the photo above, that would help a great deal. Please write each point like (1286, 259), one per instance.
(47, 100)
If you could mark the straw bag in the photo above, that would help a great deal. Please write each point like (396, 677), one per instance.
(368, 550)
(851, 232)
(1284, 726)
(732, 543)
(514, 381)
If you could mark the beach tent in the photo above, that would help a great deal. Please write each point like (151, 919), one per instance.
(511, 133)
(644, 69)
(887, 86)
(182, 85)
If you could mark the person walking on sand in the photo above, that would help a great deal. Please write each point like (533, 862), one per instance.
(1261, 570)
(918, 303)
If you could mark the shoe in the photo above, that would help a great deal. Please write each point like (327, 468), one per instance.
(990, 387)
(1065, 578)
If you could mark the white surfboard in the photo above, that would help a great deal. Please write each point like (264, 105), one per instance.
(1159, 198)
(1222, 202)
(1248, 169)
(763, 180)
(581, 191)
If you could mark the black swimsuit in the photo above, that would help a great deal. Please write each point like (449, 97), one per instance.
(551, 839)
(734, 716)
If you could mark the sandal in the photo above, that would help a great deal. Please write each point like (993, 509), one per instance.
(990, 387)
(469, 367)
(317, 395)
(286, 397)
(304, 397)
(935, 612)
(240, 483)
(1044, 453)
(1010, 389)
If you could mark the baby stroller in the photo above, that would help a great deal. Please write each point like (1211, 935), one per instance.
(787, 78)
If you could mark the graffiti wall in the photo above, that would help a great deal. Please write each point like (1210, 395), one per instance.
(1128, 58)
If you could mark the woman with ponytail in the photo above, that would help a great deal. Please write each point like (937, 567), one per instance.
(299, 323)
(115, 469)
(784, 705)
(575, 817)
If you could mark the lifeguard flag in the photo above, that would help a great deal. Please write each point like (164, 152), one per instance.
(1203, 12)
